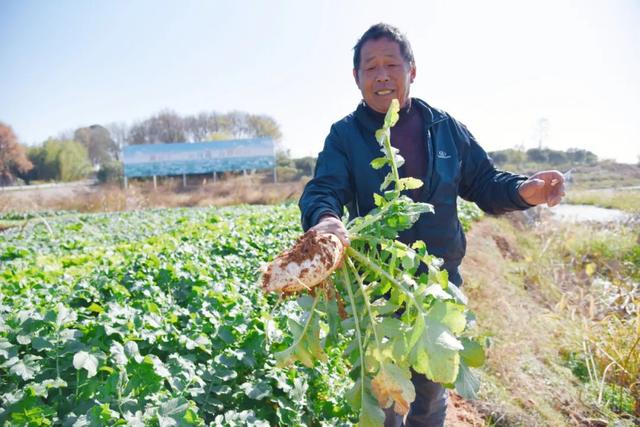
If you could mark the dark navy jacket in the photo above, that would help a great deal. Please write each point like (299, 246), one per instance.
(456, 166)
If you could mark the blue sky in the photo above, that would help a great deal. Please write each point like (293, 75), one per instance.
(497, 66)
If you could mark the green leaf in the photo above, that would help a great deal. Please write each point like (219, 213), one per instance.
(42, 389)
(172, 412)
(467, 385)
(117, 353)
(7, 350)
(95, 308)
(410, 183)
(158, 366)
(379, 162)
(84, 360)
(387, 182)
(473, 353)
(409, 260)
(382, 135)
(26, 368)
(256, 391)
(40, 343)
(64, 315)
(436, 353)
(131, 350)
(333, 321)
(23, 339)
(31, 411)
(391, 118)
(297, 351)
(391, 327)
(436, 291)
(378, 200)
(370, 413)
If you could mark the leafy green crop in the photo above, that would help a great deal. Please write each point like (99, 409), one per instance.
(152, 318)
(155, 318)
(401, 313)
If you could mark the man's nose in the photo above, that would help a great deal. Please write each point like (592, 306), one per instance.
(381, 75)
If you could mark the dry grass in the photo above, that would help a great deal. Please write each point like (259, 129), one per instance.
(525, 381)
(535, 289)
(253, 189)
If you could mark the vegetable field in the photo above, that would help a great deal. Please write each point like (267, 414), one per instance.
(155, 318)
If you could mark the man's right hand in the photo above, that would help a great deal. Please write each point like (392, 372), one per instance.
(332, 225)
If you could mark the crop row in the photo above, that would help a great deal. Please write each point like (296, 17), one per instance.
(154, 318)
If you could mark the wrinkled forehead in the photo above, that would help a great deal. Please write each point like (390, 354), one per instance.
(382, 48)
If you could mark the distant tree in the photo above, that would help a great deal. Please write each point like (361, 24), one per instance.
(581, 156)
(112, 172)
(218, 136)
(238, 124)
(499, 157)
(557, 157)
(537, 155)
(101, 148)
(119, 132)
(13, 156)
(306, 165)
(263, 126)
(197, 127)
(508, 156)
(60, 160)
(283, 159)
(164, 127)
(168, 126)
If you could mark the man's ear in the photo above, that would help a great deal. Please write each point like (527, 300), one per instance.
(412, 73)
(355, 76)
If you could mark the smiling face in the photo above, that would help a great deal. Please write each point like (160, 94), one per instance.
(383, 74)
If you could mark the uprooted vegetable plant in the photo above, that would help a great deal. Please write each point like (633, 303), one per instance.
(389, 305)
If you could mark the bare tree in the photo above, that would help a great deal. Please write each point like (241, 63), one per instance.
(119, 132)
(13, 156)
(164, 127)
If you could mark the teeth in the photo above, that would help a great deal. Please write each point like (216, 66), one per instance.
(383, 92)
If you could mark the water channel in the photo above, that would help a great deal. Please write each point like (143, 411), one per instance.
(584, 213)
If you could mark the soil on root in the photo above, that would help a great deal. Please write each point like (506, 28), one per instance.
(313, 257)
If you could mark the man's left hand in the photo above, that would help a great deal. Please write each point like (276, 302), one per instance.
(543, 187)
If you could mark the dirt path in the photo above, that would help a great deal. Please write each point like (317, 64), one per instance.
(461, 413)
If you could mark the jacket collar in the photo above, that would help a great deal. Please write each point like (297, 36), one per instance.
(430, 115)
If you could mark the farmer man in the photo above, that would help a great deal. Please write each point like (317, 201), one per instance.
(437, 149)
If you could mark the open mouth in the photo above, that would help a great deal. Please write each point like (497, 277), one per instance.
(384, 92)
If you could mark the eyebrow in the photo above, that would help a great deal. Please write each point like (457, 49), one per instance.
(392, 56)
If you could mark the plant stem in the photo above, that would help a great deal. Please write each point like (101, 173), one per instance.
(360, 257)
(368, 220)
(392, 157)
(345, 278)
(307, 322)
(366, 300)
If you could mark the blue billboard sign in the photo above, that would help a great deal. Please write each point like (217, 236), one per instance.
(198, 157)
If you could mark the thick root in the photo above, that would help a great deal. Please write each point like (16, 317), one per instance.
(311, 260)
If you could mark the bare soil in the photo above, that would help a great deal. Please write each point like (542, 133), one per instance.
(252, 189)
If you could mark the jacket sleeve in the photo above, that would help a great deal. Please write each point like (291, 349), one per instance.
(330, 189)
(494, 191)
